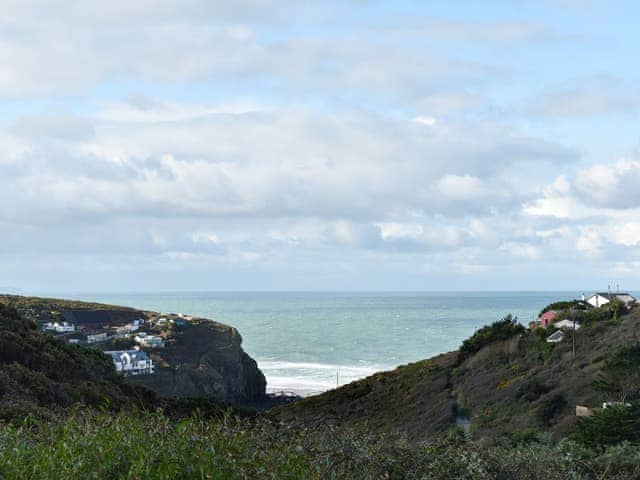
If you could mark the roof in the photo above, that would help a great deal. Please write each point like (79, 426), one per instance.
(556, 336)
(609, 295)
(134, 355)
(566, 324)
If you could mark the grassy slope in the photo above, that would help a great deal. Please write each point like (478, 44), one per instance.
(505, 387)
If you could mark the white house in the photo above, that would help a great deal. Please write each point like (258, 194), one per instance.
(96, 337)
(129, 328)
(566, 324)
(64, 327)
(152, 341)
(602, 298)
(131, 362)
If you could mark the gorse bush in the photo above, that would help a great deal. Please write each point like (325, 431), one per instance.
(501, 330)
(102, 446)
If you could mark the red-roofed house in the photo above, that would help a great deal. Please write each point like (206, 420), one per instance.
(547, 317)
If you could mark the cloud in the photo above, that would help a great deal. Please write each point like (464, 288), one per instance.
(521, 249)
(586, 97)
(610, 185)
(461, 187)
(217, 162)
(58, 126)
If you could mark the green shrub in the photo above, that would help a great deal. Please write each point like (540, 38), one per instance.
(501, 330)
(563, 305)
(610, 426)
(621, 373)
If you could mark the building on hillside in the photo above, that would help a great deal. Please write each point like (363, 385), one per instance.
(59, 327)
(599, 299)
(97, 337)
(556, 337)
(547, 317)
(151, 341)
(129, 328)
(567, 325)
(131, 362)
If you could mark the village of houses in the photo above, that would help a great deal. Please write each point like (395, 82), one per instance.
(599, 299)
(103, 328)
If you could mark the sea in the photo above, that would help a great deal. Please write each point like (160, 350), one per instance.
(307, 343)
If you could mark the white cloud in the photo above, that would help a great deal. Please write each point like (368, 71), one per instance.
(521, 249)
(461, 187)
(610, 185)
(627, 234)
(426, 120)
(590, 242)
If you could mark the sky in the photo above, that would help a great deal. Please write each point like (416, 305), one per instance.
(199, 145)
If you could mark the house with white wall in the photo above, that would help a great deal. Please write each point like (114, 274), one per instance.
(131, 362)
(59, 327)
(150, 341)
(599, 299)
(97, 337)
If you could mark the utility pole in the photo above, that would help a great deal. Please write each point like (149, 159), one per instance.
(573, 337)
(337, 378)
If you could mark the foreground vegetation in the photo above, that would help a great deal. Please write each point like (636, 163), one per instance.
(100, 446)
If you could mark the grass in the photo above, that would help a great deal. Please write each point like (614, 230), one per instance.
(129, 446)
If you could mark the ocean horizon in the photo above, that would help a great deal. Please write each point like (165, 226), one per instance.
(310, 342)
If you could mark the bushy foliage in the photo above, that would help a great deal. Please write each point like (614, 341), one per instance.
(601, 314)
(610, 426)
(621, 373)
(156, 447)
(501, 330)
(563, 306)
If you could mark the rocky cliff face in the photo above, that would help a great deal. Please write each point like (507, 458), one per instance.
(205, 359)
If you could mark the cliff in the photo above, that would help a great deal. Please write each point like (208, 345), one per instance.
(202, 358)
(205, 359)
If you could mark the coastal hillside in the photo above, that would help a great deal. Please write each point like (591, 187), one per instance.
(183, 356)
(41, 376)
(506, 380)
